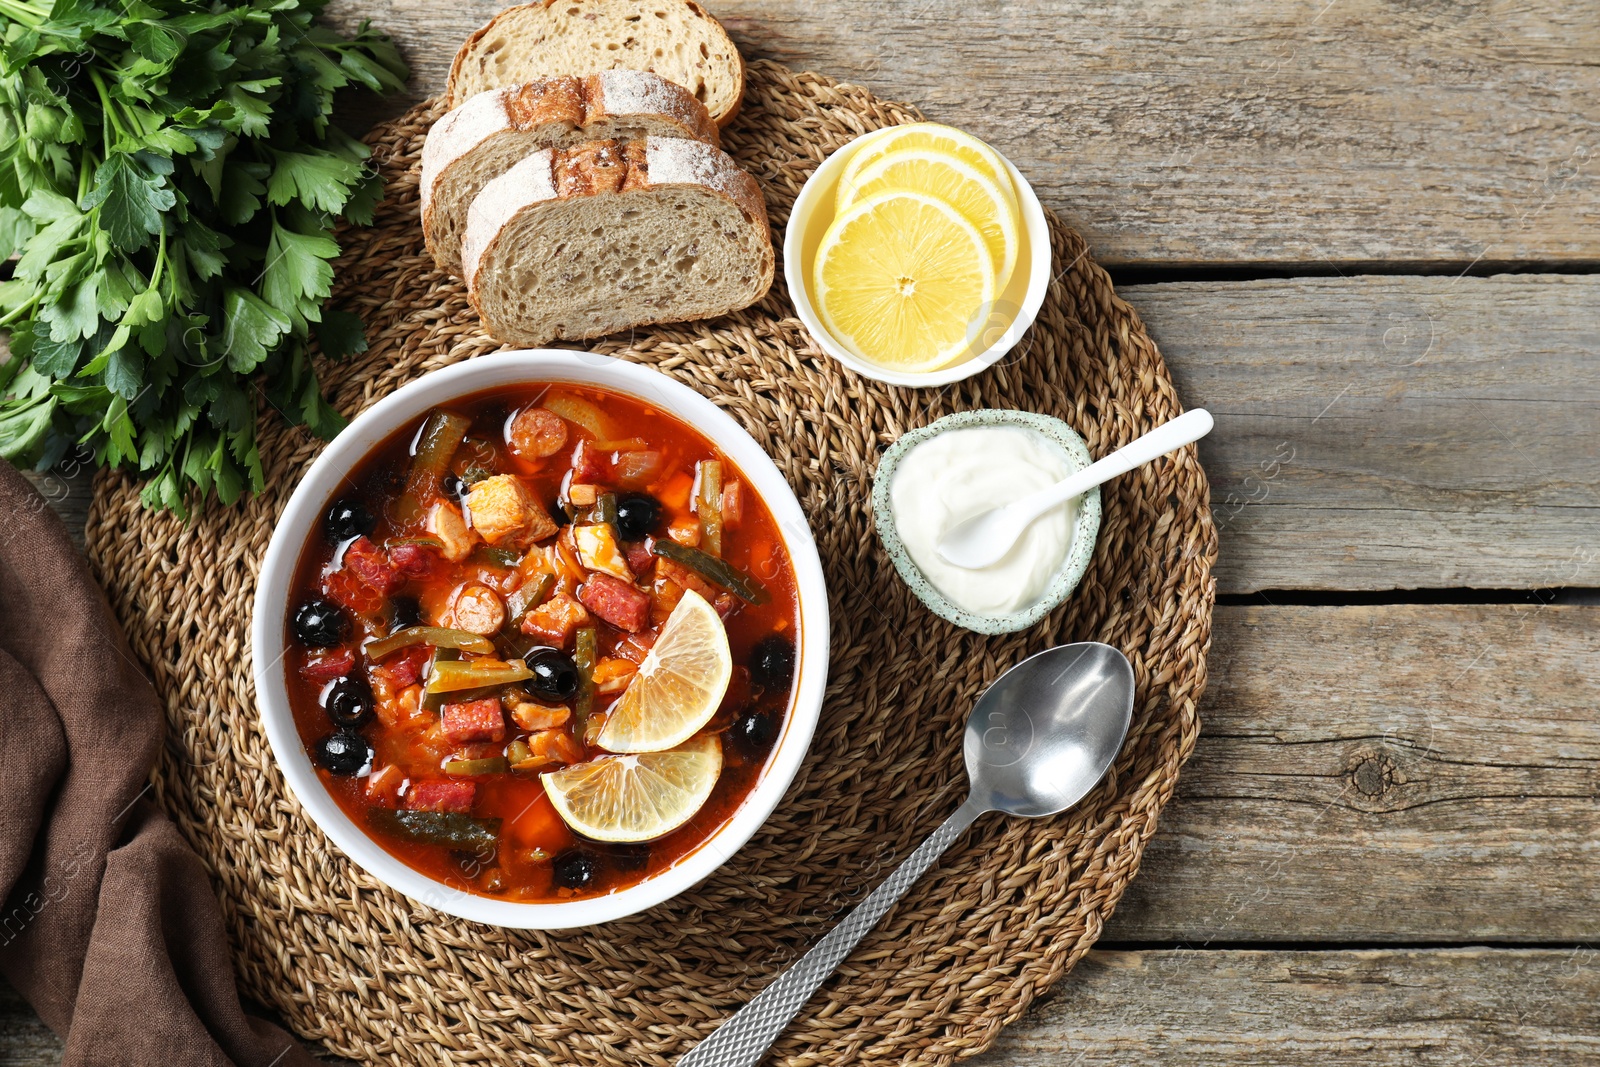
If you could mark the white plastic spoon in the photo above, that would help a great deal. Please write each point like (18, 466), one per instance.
(984, 539)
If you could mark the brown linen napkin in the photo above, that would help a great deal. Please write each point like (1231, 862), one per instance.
(110, 927)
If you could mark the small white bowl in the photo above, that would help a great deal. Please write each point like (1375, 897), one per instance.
(1080, 550)
(1014, 310)
(326, 479)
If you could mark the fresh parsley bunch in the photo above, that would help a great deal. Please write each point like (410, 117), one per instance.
(170, 179)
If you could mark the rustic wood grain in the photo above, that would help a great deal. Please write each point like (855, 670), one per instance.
(1393, 433)
(1387, 773)
(1376, 433)
(1421, 1008)
(25, 1041)
(67, 490)
(1416, 1008)
(1306, 134)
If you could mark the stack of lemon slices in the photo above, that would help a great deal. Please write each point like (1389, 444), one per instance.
(664, 769)
(925, 238)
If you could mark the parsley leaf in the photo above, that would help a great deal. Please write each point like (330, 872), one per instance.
(319, 181)
(171, 178)
(130, 200)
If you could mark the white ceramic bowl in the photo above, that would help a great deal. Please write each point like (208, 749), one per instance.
(1085, 529)
(1014, 309)
(324, 481)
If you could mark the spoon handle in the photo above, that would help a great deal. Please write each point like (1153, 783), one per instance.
(1168, 437)
(745, 1038)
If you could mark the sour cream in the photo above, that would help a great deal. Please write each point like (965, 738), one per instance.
(953, 476)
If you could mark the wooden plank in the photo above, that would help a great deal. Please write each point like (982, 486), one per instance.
(25, 1041)
(1377, 433)
(68, 490)
(1394, 433)
(1417, 1008)
(1301, 134)
(1392, 773)
(1420, 1008)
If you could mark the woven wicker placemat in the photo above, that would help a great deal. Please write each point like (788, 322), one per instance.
(376, 977)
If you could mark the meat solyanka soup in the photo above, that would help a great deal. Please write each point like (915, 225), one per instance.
(543, 644)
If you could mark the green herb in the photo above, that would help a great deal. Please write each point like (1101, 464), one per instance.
(171, 180)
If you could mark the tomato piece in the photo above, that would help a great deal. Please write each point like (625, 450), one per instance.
(350, 592)
(371, 564)
(418, 562)
(327, 667)
(405, 668)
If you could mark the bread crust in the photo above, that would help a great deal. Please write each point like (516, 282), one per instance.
(469, 47)
(601, 168)
(564, 101)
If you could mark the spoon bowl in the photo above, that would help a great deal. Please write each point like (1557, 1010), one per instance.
(986, 538)
(1037, 741)
(1044, 733)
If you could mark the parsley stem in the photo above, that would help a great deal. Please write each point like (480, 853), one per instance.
(16, 313)
(28, 14)
(109, 126)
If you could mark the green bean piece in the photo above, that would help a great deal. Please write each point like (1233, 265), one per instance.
(709, 507)
(437, 636)
(441, 435)
(426, 540)
(527, 596)
(712, 569)
(496, 557)
(605, 509)
(435, 701)
(512, 644)
(471, 768)
(448, 828)
(452, 677)
(585, 653)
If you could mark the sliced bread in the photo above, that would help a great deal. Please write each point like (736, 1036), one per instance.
(676, 39)
(580, 242)
(482, 138)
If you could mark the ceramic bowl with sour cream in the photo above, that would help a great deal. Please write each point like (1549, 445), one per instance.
(941, 474)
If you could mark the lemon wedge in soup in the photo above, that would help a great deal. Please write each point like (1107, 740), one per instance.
(679, 686)
(636, 797)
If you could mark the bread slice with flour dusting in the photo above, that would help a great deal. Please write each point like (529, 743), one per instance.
(481, 139)
(579, 242)
(677, 39)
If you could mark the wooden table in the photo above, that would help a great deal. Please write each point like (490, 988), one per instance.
(1365, 236)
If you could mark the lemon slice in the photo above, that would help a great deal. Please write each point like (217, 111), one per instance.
(928, 136)
(905, 281)
(978, 197)
(636, 797)
(679, 686)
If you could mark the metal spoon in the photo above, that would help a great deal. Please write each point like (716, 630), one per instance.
(1037, 741)
(984, 539)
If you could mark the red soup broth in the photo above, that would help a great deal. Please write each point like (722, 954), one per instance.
(375, 560)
